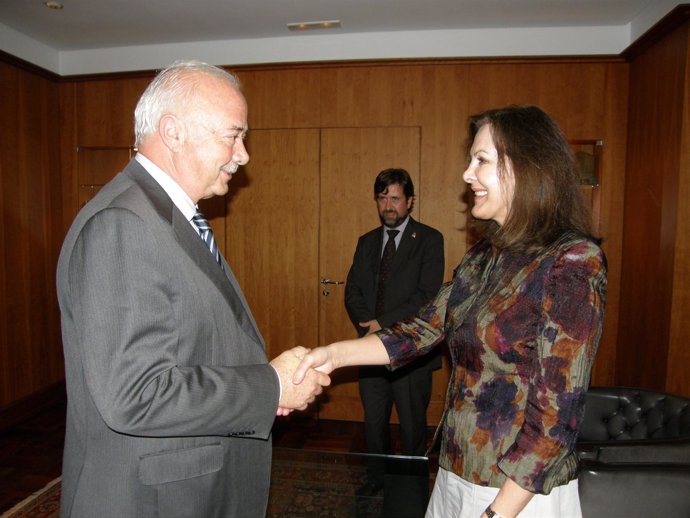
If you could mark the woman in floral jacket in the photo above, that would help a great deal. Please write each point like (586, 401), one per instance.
(522, 318)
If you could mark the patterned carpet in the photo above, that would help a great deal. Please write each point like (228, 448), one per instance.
(304, 484)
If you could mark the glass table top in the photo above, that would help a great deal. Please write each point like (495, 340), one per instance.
(324, 484)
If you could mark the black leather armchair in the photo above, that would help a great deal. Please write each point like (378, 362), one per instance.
(634, 450)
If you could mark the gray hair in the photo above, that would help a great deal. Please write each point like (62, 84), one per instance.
(173, 87)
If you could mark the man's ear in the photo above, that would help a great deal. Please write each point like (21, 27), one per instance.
(171, 131)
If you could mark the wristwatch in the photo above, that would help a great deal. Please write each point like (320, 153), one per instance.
(491, 513)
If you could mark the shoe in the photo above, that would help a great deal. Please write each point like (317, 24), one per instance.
(369, 488)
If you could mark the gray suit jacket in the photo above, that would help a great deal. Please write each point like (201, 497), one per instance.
(170, 397)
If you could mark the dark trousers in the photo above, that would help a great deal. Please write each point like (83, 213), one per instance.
(409, 389)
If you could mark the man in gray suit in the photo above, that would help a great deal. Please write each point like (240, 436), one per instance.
(171, 399)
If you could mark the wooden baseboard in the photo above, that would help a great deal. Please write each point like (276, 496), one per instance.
(32, 404)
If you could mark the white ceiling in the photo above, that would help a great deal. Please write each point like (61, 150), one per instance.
(130, 34)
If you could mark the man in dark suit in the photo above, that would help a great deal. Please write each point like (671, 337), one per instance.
(171, 399)
(396, 269)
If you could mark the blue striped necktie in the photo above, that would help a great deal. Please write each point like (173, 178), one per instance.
(206, 234)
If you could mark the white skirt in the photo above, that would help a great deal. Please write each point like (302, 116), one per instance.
(454, 497)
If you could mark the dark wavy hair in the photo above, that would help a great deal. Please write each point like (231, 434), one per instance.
(390, 176)
(548, 200)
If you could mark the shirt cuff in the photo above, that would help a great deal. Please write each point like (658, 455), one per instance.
(280, 385)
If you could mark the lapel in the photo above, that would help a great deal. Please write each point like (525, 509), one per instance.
(407, 241)
(377, 250)
(195, 248)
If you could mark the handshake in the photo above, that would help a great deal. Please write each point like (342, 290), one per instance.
(304, 372)
(300, 382)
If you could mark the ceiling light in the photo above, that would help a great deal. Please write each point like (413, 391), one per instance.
(53, 5)
(304, 26)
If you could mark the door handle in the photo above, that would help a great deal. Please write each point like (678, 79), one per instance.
(326, 281)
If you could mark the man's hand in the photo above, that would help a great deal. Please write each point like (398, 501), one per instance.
(372, 325)
(297, 396)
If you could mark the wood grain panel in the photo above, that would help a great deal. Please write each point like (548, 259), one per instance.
(587, 97)
(371, 96)
(576, 95)
(572, 93)
(282, 98)
(30, 195)
(69, 188)
(97, 166)
(272, 235)
(350, 160)
(610, 222)
(651, 207)
(678, 380)
(444, 93)
(105, 111)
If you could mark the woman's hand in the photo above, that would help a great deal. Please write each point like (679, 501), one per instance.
(368, 350)
(319, 359)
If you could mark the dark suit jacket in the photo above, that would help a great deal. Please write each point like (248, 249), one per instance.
(415, 276)
(170, 397)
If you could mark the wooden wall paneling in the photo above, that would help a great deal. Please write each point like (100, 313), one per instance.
(651, 207)
(444, 114)
(371, 96)
(282, 98)
(272, 234)
(105, 111)
(678, 366)
(30, 195)
(435, 98)
(350, 160)
(444, 99)
(572, 92)
(8, 135)
(68, 156)
(96, 166)
(583, 98)
(9, 77)
(277, 98)
(610, 223)
(45, 212)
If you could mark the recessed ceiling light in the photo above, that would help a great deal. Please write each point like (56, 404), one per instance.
(305, 26)
(53, 5)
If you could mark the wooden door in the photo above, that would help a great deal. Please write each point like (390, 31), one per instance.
(272, 235)
(350, 160)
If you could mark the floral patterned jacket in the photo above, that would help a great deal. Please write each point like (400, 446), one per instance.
(522, 330)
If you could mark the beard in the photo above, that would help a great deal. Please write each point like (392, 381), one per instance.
(391, 218)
